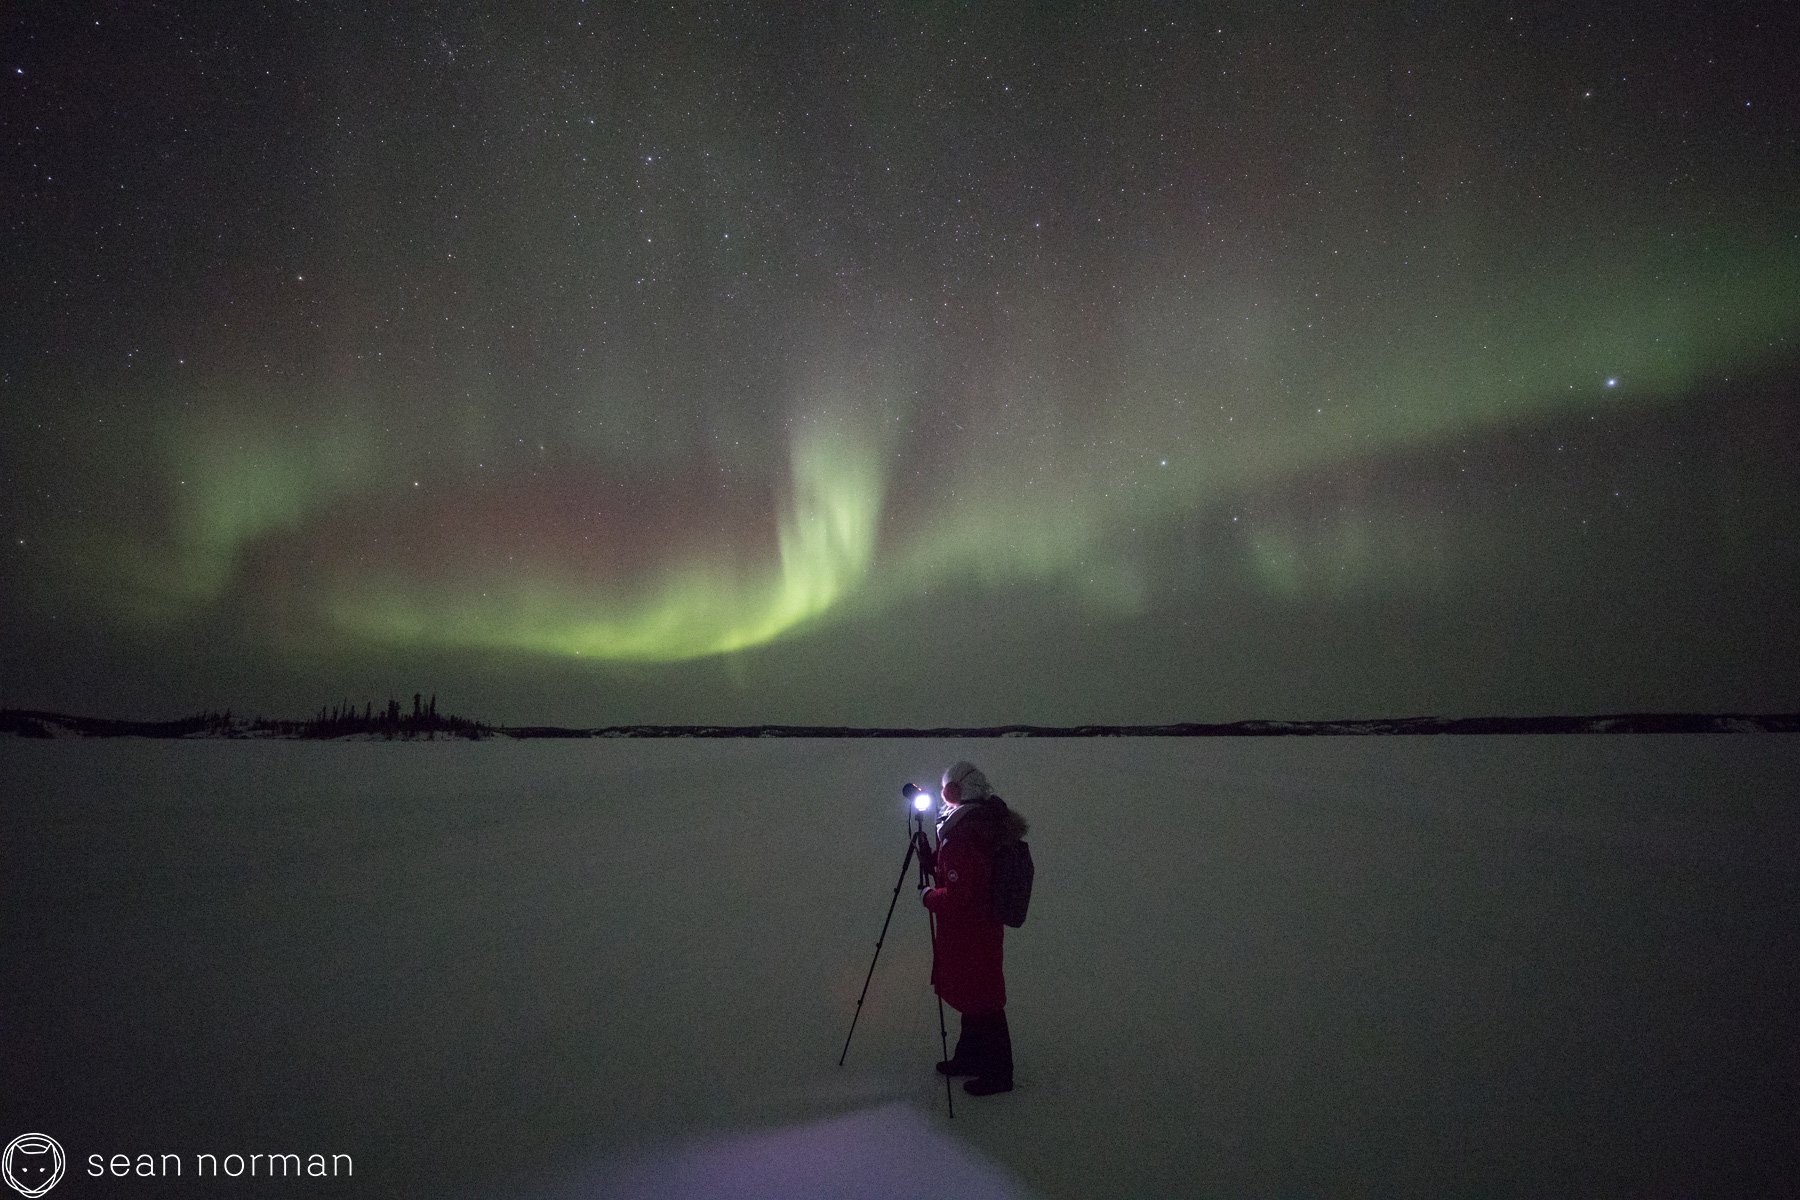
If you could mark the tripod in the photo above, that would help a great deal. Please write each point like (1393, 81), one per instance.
(916, 844)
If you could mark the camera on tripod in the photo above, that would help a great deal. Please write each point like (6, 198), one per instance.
(918, 845)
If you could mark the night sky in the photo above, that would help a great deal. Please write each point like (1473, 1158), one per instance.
(904, 364)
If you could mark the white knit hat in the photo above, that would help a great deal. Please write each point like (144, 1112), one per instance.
(972, 784)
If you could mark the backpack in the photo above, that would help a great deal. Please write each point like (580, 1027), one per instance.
(1010, 885)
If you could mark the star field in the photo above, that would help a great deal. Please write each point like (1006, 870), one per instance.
(899, 365)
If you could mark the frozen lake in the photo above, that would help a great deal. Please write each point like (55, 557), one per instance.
(1387, 966)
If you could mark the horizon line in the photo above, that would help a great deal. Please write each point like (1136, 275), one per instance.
(30, 723)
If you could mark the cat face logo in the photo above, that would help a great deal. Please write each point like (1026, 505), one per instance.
(32, 1163)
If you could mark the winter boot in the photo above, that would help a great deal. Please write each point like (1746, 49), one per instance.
(969, 1050)
(995, 1073)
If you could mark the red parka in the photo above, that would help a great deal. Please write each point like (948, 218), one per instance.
(966, 966)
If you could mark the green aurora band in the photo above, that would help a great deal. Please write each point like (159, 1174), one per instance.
(1039, 493)
(826, 543)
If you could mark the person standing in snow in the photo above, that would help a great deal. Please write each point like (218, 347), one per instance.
(966, 964)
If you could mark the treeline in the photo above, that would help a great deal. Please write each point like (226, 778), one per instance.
(346, 720)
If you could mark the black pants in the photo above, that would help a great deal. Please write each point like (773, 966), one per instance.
(985, 1046)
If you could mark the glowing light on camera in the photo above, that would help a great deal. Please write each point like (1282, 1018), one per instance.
(922, 801)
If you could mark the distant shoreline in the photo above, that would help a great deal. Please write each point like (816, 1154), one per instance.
(37, 724)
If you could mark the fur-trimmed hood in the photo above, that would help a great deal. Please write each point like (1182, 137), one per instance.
(996, 820)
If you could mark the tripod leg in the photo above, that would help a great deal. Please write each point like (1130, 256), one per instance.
(898, 884)
(943, 1033)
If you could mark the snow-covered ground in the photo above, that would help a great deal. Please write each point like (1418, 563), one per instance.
(1331, 966)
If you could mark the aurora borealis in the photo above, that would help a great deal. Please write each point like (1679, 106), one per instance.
(900, 364)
